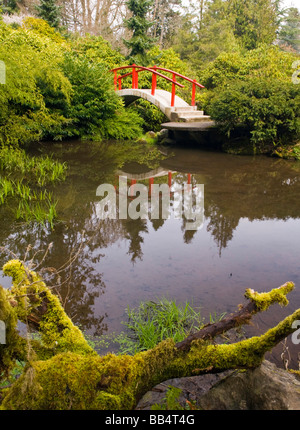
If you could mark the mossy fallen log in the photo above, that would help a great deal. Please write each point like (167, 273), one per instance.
(63, 372)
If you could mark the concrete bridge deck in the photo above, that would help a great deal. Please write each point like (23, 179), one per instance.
(180, 112)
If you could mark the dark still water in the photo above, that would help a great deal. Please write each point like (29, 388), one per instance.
(249, 238)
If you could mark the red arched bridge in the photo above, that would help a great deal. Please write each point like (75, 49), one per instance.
(174, 107)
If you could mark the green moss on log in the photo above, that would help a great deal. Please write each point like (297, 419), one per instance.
(73, 381)
(75, 377)
(277, 295)
(30, 292)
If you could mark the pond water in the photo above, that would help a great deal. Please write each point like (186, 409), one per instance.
(249, 237)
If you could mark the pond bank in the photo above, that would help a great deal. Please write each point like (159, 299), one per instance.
(208, 135)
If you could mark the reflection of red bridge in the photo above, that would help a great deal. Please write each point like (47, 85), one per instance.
(175, 108)
(151, 175)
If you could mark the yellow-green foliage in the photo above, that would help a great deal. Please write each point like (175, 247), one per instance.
(41, 27)
(264, 62)
(97, 51)
(33, 81)
(57, 88)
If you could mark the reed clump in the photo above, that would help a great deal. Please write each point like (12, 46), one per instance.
(23, 179)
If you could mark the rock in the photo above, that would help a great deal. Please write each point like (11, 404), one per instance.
(264, 388)
(192, 388)
(151, 134)
(162, 134)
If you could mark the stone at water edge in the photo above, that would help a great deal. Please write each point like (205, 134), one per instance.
(266, 387)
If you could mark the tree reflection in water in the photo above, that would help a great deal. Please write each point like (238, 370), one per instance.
(234, 188)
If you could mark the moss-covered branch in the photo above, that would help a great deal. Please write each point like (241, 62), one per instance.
(75, 377)
(34, 303)
(258, 302)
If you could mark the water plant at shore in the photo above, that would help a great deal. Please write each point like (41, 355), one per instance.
(23, 181)
(154, 321)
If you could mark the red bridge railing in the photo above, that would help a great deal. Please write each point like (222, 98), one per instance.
(154, 70)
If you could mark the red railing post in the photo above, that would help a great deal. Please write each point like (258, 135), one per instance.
(133, 76)
(193, 92)
(151, 182)
(135, 82)
(136, 79)
(136, 69)
(115, 79)
(120, 82)
(153, 88)
(173, 90)
(170, 179)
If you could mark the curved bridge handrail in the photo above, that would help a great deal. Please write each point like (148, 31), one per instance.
(140, 69)
(136, 69)
(193, 81)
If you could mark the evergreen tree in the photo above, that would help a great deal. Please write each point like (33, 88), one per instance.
(140, 42)
(50, 12)
(255, 21)
(212, 33)
(289, 33)
(9, 6)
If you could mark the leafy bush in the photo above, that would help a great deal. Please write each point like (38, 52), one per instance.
(152, 116)
(41, 27)
(269, 111)
(124, 124)
(265, 61)
(252, 93)
(97, 50)
(95, 109)
(57, 89)
(93, 99)
(31, 70)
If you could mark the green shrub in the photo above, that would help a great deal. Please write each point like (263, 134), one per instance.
(95, 109)
(32, 74)
(268, 111)
(252, 95)
(96, 50)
